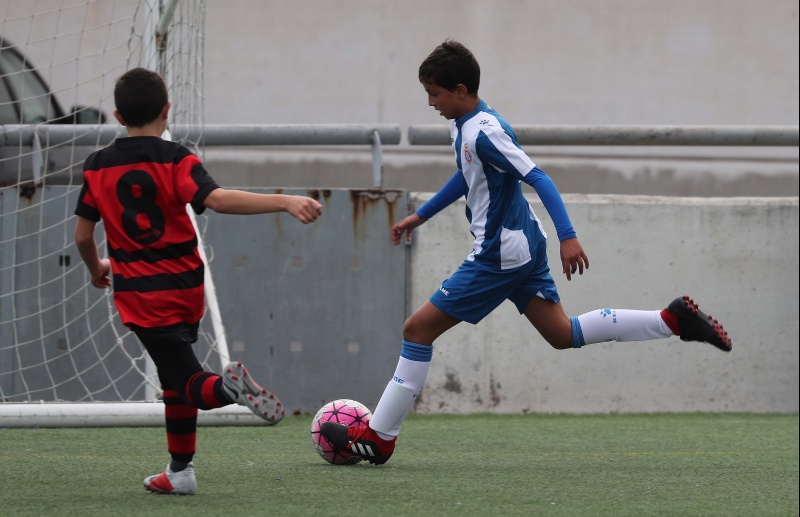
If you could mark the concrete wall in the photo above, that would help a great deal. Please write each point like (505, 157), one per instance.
(737, 257)
(544, 62)
(578, 62)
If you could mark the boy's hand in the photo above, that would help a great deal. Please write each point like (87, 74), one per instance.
(573, 258)
(102, 277)
(305, 209)
(405, 226)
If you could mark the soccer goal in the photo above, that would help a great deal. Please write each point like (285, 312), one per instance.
(65, 359)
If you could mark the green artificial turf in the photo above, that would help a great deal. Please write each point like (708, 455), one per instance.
(482, 465)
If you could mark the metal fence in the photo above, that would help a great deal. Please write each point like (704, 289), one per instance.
(36, 138)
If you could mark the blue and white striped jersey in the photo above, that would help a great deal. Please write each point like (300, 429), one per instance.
(501, 220)
(492, 163)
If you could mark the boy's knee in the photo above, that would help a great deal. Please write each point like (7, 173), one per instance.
(560, 339)
(560, 344)
(411, 330)
(416, 331)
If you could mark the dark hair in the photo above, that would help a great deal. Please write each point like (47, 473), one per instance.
(449, 65)
(139, 96)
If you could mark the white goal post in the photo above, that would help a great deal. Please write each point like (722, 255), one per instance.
(65, 359)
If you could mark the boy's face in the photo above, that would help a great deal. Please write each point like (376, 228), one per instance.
(449, 104)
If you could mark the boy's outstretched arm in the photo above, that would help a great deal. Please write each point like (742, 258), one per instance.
(240, 202)
(405, 226)
(573, 258)
(451, 191)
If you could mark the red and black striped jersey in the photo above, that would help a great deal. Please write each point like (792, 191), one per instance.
(139, 187)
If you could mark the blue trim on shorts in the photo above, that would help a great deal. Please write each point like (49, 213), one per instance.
(577, 333)
(415, 352)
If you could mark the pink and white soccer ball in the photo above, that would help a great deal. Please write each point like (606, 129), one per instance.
(343, 411)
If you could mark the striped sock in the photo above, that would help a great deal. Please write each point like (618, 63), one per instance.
(205, 390)
(181, 422)
(401, 392)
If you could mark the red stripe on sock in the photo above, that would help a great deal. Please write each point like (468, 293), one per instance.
(181, 443)
(672, 321)
(180, 411)
(208, 393)
(189, 384)
(170, 394)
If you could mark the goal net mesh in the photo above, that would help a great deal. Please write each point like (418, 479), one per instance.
(61, 339)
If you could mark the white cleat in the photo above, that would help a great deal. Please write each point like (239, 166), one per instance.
(175, 483)
(248, 393)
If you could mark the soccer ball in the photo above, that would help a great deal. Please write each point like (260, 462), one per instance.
(343, 411)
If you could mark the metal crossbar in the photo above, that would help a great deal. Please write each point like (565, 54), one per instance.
(378, 135)
(629, 135)
(211, 134)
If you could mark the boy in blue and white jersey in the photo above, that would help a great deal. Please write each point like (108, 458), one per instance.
(508, 259)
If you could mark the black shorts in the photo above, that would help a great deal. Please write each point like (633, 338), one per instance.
(171, 350)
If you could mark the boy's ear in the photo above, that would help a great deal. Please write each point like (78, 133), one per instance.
(460, 91)
(165, 111)
(119, 118)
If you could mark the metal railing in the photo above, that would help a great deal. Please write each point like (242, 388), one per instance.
(375, 135)
(786, 136)
(378, 135)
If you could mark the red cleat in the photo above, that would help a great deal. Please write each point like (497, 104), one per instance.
(694, 325)
(360, 440)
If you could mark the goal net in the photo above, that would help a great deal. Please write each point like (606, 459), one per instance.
(64, 355)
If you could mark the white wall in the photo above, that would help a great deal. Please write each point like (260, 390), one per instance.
(547, 62)
(684, 62)
(579, 62)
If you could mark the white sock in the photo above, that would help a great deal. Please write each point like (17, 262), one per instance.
(398, 397)
(392, 409)
(622, 325)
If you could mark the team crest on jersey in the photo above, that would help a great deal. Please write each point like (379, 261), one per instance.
(467, 154)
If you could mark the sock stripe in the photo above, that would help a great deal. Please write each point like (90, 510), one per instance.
(171, 397)
(209, 393)
(671, 321)
(181, 424)
(415, 352)
(203, 391)
(577, 333)
(181, 443)
(180, 411)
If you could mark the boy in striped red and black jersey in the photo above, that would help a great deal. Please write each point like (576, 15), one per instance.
(139, 187)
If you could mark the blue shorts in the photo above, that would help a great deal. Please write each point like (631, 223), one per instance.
(475, 290)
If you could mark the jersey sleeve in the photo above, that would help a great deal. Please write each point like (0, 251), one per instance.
(86, 206)
(194, 184)
(495, 147)
(447, 195)
(551, 199)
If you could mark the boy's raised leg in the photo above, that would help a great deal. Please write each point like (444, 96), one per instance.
(246, 392)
